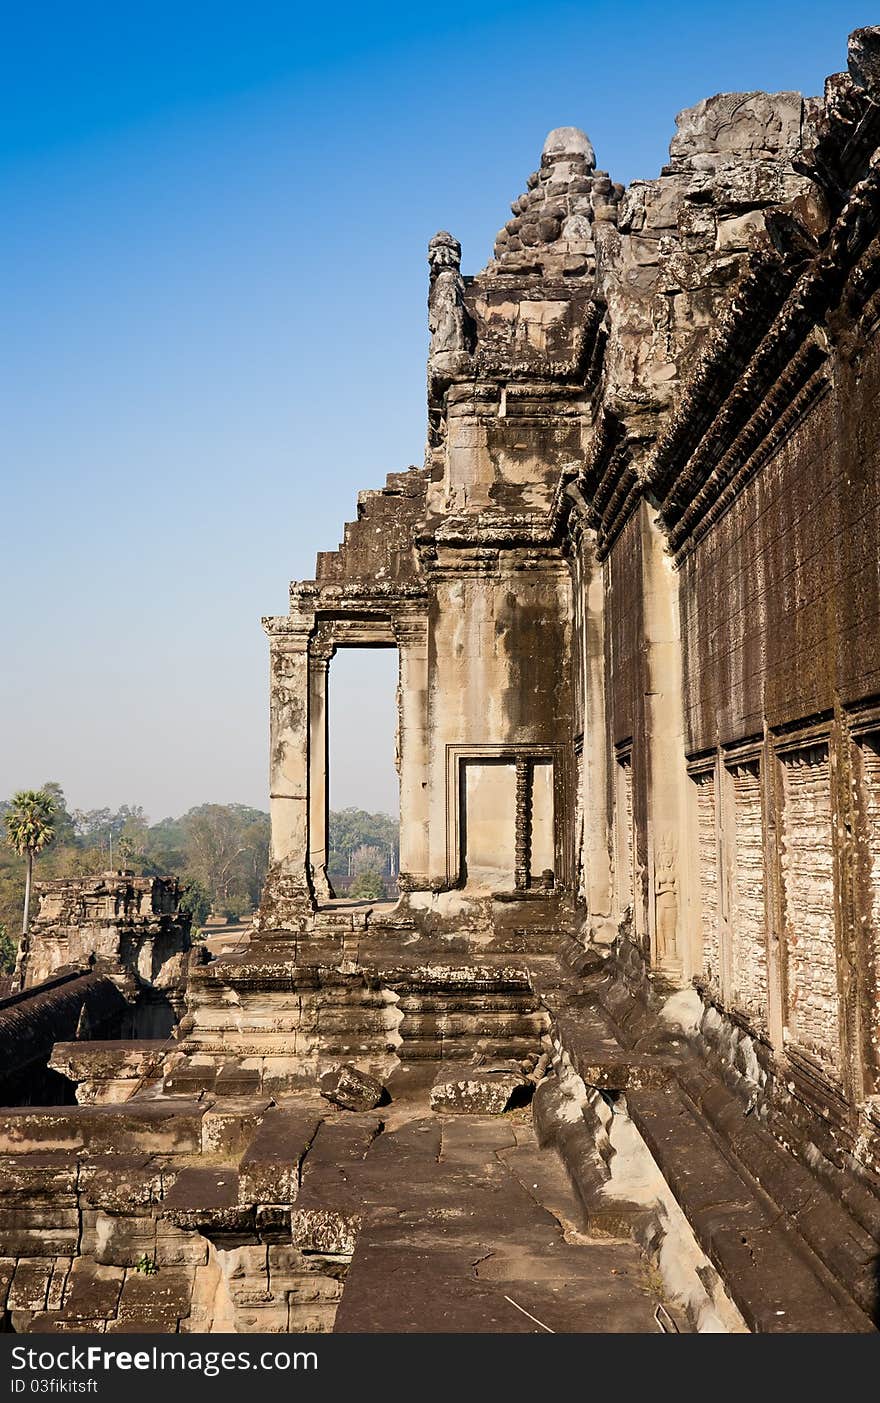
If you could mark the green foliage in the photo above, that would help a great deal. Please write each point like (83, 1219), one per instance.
(368, 886)
(219, 852)
(8, 951)
(28, 820)
(195, 899)
(352, 829)
(227, 851)
(146, 1266)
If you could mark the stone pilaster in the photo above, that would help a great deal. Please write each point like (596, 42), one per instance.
(523, 838)
(321, 650)
(288, 898)
(666, 773)
(592, 778)
(411, 632)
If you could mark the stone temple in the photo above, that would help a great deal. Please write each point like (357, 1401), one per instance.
(612, 1061)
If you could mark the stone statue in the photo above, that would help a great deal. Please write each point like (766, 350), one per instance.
(446, 314)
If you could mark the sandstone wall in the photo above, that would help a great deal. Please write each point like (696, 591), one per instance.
(780, 600)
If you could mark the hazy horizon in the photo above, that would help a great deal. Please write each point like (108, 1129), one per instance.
(214, 248)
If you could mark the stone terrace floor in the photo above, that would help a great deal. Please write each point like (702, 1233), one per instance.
(484, 1236)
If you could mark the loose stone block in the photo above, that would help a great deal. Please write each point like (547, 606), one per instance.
(485, 1090)
(352, 1089)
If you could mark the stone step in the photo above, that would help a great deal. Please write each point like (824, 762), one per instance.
(778, 1284)
(517, 1001)
(204, 1198)
(480, 1025)
(152, 1127)
(848, 1246)
(601, 1062)
(465, 1049)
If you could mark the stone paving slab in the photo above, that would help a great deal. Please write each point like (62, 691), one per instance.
(205, 1198)
(269, 1167)
(157, 1127)
(451, 1228)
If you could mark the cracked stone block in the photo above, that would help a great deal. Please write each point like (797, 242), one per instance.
(325, 1229)
(176, 1247)
(92, 1291)
(269, 1168)
(162, 1296)
(204, 1198)
(122, 1240)
(483, 1090)
(231, 1123)
(117, 1182)
(58, 1283)
(7, 1272)
(39, 1230)
(30, 1284)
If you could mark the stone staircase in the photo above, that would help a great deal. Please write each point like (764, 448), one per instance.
(455, 1018)
(283, 1027)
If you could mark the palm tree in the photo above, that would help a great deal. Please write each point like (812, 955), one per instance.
(29, 828)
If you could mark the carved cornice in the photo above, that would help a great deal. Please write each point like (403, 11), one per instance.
(288, 627)
(410, 628)
(762, 373)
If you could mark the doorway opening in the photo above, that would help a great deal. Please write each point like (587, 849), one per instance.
(364, 786)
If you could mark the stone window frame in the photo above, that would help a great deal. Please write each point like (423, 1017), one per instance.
(752, 751)
(623, 758)
(811, 1073)
(699, 765)
(862, 1009)
(579, 818)
(458, 754)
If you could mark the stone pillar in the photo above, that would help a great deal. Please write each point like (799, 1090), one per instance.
(321, 650)
(669, 872)
(288, 899)
(412, 639)
(595, 794)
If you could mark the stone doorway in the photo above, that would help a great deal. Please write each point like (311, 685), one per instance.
(362, 773)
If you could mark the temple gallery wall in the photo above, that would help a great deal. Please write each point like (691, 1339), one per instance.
(634, 587)
(634, 591)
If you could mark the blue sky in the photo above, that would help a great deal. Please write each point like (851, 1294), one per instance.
(214, 281)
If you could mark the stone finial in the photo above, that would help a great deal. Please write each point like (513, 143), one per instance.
(564, 142)
(552, 227)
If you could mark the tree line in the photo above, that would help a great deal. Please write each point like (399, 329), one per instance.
(218, 852)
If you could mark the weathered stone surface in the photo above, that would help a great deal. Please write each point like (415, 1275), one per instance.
(207, 1199)
(163, 1298)
(31, 1021)
(132, 926)
(484, 1090)
(149, 1126)
(108, 1071)
(229, 1124)
(352, 1089)
(92, 1292)
(269, 1168)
